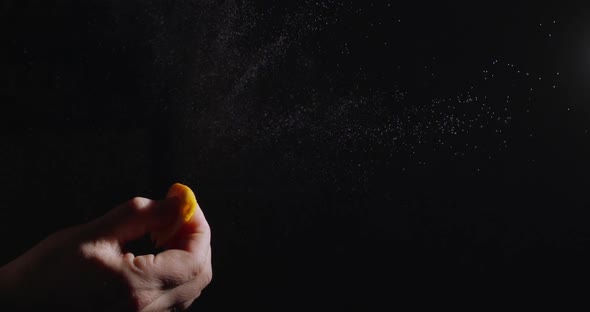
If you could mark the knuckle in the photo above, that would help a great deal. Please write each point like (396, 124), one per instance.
(144, 263)
(93, 250)
(135, 205)
(198, 269)
(87, 251)
(203, 272)
(195, 272)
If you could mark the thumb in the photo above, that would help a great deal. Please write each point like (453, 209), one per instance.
(136, 218)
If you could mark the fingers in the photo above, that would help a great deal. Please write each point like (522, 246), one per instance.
(181, 274)
(194, 236)
(176, 267)
(176, 275)
(166, 303)
(182, 296)
(197, 242)
(135, 218)
(178, 297)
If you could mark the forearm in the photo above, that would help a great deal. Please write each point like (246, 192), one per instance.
(19, 282)
(52, 276)
(10, 285)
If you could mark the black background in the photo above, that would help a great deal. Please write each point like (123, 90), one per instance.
(344, 152)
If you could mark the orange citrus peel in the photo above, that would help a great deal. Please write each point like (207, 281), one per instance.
(186, 205)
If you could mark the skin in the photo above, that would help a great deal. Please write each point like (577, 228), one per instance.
(85, 267)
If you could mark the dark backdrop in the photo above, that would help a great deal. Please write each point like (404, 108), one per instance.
(344, 152)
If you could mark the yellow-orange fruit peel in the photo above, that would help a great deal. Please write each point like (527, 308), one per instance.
(186, 205)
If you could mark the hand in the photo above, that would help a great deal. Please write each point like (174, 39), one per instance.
(86, 267)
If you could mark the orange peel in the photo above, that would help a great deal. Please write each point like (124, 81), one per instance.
(185, 204)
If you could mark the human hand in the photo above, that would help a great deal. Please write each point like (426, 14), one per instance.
(86, 267)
